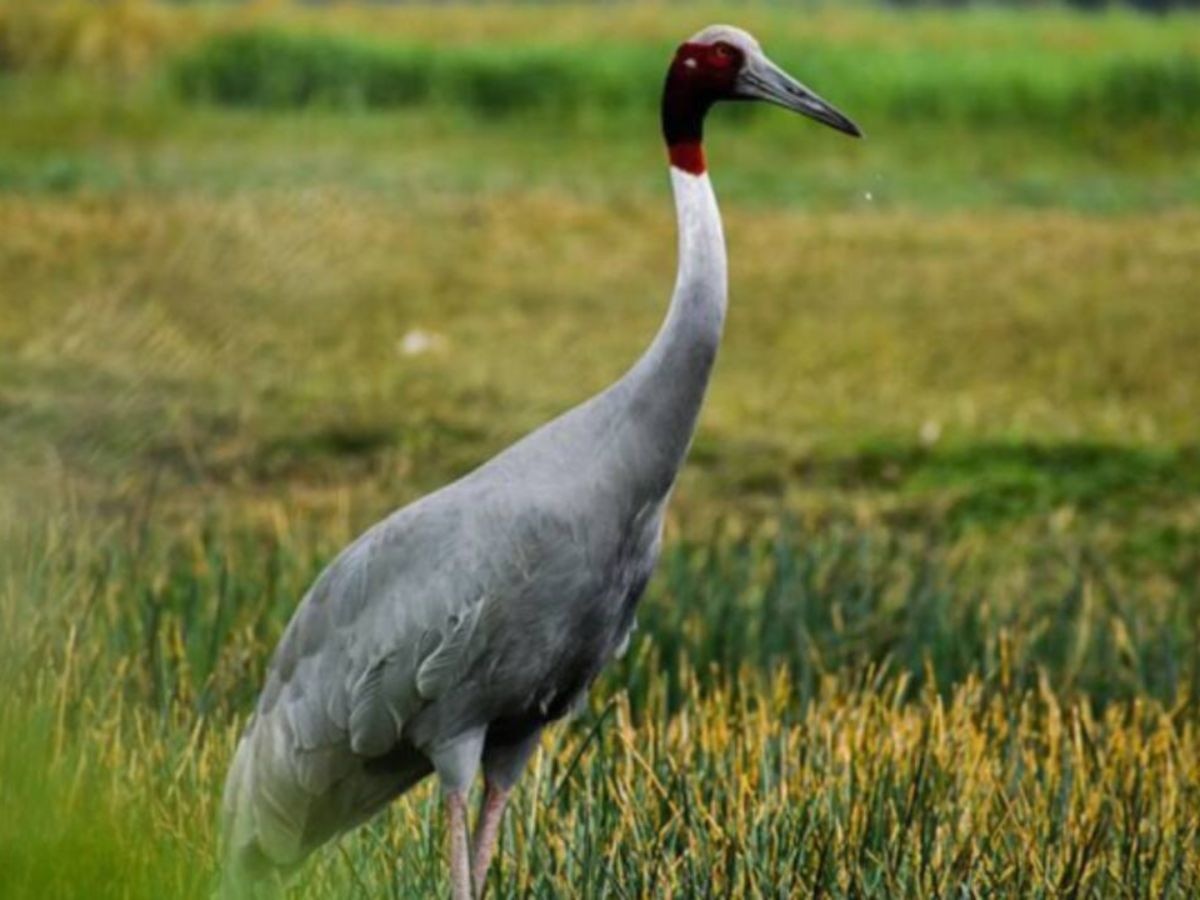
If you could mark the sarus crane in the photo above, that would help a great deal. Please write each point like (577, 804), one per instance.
(446, 637)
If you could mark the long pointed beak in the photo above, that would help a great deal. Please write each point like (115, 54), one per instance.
(761, 79)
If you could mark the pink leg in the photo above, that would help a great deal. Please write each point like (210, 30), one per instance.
(486, 832)
(460, 870)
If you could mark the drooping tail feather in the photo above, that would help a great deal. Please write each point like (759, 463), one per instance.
(245, 869)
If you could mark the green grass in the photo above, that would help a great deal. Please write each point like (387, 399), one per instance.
(926, 623)
(973, 109)
(803, 711)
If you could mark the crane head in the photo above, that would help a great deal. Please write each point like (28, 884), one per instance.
(726, 63)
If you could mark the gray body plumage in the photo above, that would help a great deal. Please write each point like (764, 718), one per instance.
(477, 614)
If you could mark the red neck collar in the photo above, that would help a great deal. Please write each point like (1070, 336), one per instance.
(687, 156)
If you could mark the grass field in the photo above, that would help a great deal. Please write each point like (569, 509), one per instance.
(928, 619)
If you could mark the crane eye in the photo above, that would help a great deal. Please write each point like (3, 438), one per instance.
(722, 54)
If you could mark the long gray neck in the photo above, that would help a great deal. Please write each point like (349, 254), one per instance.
(665, 389)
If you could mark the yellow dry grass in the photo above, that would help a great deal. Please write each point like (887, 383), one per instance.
(230, 323)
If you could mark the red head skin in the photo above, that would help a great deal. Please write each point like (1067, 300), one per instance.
(699, 76)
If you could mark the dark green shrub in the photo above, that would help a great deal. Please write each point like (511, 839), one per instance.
(274, 69)
(1159, 89)
(279, 69)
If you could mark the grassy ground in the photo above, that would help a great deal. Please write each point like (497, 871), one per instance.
(926, 623)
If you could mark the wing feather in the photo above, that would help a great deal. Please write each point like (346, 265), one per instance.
(373, 730)
(390, 627)
(447, 662)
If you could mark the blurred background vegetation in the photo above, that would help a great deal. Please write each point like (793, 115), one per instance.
(268, 271)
